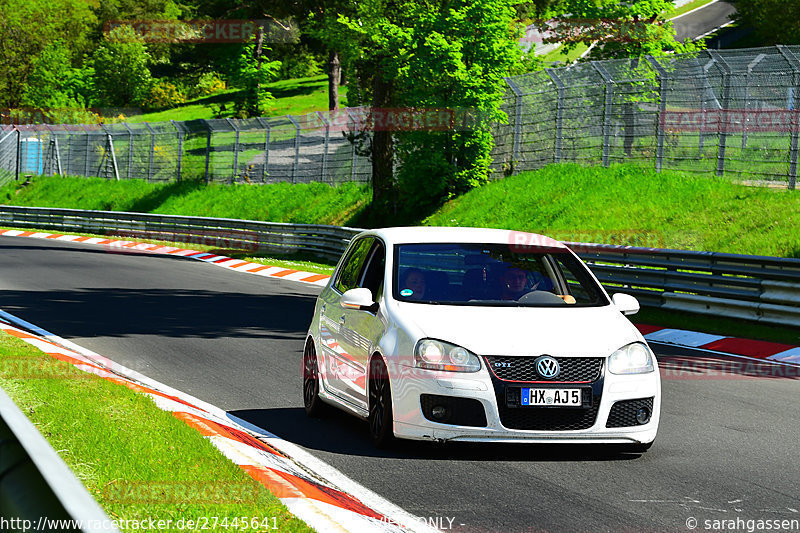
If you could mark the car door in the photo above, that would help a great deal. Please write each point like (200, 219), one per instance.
(362, 329)
(339, 342)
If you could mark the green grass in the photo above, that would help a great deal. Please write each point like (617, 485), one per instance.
(291, 97)
(688, 7)
(129, 454)
(627, 204)
(559, 54)
(313, 203)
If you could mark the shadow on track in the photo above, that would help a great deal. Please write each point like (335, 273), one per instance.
(343, 434)
(170, 313)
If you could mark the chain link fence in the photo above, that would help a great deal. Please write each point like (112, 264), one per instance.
(294, 149)
(731, 112)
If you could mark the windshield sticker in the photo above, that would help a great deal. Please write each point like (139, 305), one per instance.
(406, 292)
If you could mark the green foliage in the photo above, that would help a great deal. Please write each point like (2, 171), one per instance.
(121, 73)
(54, 83)
(773, 21)
(618, 29)
(437, 55)
(251, 72)
(27, 27)
(164, 94)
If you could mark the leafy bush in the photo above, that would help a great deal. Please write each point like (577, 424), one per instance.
(164, 95)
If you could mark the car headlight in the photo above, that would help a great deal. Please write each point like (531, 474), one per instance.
(440, 355)
(634, 358)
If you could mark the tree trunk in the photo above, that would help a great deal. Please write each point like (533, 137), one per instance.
(383, 197)
(259, 57)
(334, 77)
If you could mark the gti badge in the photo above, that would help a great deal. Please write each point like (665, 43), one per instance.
(547, 367)
(502, 365)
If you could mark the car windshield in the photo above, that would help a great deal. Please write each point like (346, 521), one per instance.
(492, 275)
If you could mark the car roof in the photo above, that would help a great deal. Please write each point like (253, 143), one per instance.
(440, 234)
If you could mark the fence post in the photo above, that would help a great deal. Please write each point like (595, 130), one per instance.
(86, 155)
(264, 171)
(152, 151)
(726, 97)
(662, 107)
(69, 150)
(56, 150)
(111, 155)
(296, 147)
(325, 149)
(179, 129)
(515, 163)
(235, 149)
(130, 149)
(608, 85)
(208, 149)
(794, 62)
(559, 113)
(353, 155)
(750, 68)
(19, 153)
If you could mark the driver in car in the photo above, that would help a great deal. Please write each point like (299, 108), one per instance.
(514, 283)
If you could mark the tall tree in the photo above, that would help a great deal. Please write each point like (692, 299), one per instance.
(445, 56)
(774, 21)
(27, 27)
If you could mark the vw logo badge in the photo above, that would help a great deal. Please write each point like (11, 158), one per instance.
(547, 367)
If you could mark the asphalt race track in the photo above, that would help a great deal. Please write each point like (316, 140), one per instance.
(727, 448)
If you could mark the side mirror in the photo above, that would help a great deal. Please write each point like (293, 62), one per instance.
(359, 298)
(627, 304)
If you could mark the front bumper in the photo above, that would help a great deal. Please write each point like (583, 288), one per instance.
(492, 393)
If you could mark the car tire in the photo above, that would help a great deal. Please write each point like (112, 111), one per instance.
(380, 405)
(314, 405)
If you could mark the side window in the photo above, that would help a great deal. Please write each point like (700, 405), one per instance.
(374, 271)
(353, 263)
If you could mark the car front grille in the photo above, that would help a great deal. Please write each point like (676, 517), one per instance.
(573, 369)
(623, 413)
(549, 418)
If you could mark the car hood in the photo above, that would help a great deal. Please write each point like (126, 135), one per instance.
(521, 331)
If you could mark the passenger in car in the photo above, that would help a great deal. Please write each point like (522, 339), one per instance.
(414, 281)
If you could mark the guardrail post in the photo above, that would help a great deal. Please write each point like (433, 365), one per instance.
(559, 114)
(325, 149)
(608, 84)
(515, 162)
(726, 99)
(235, 149)
(264, 171)
(794, 62)
(296, 147)
(179, 129)
(662, 108)
(152, 151)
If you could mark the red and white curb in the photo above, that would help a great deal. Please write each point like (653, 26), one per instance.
(207, 257)
(312, 490)
(774, 352)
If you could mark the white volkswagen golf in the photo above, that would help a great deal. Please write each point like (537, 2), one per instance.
(469, 334)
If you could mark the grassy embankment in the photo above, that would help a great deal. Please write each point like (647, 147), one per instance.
(291, 97)
(138, 461)
(624, 204)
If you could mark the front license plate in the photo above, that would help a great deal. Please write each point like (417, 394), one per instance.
(551, 397)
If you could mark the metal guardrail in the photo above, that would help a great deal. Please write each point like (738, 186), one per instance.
(754, 288)
(38, 491)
